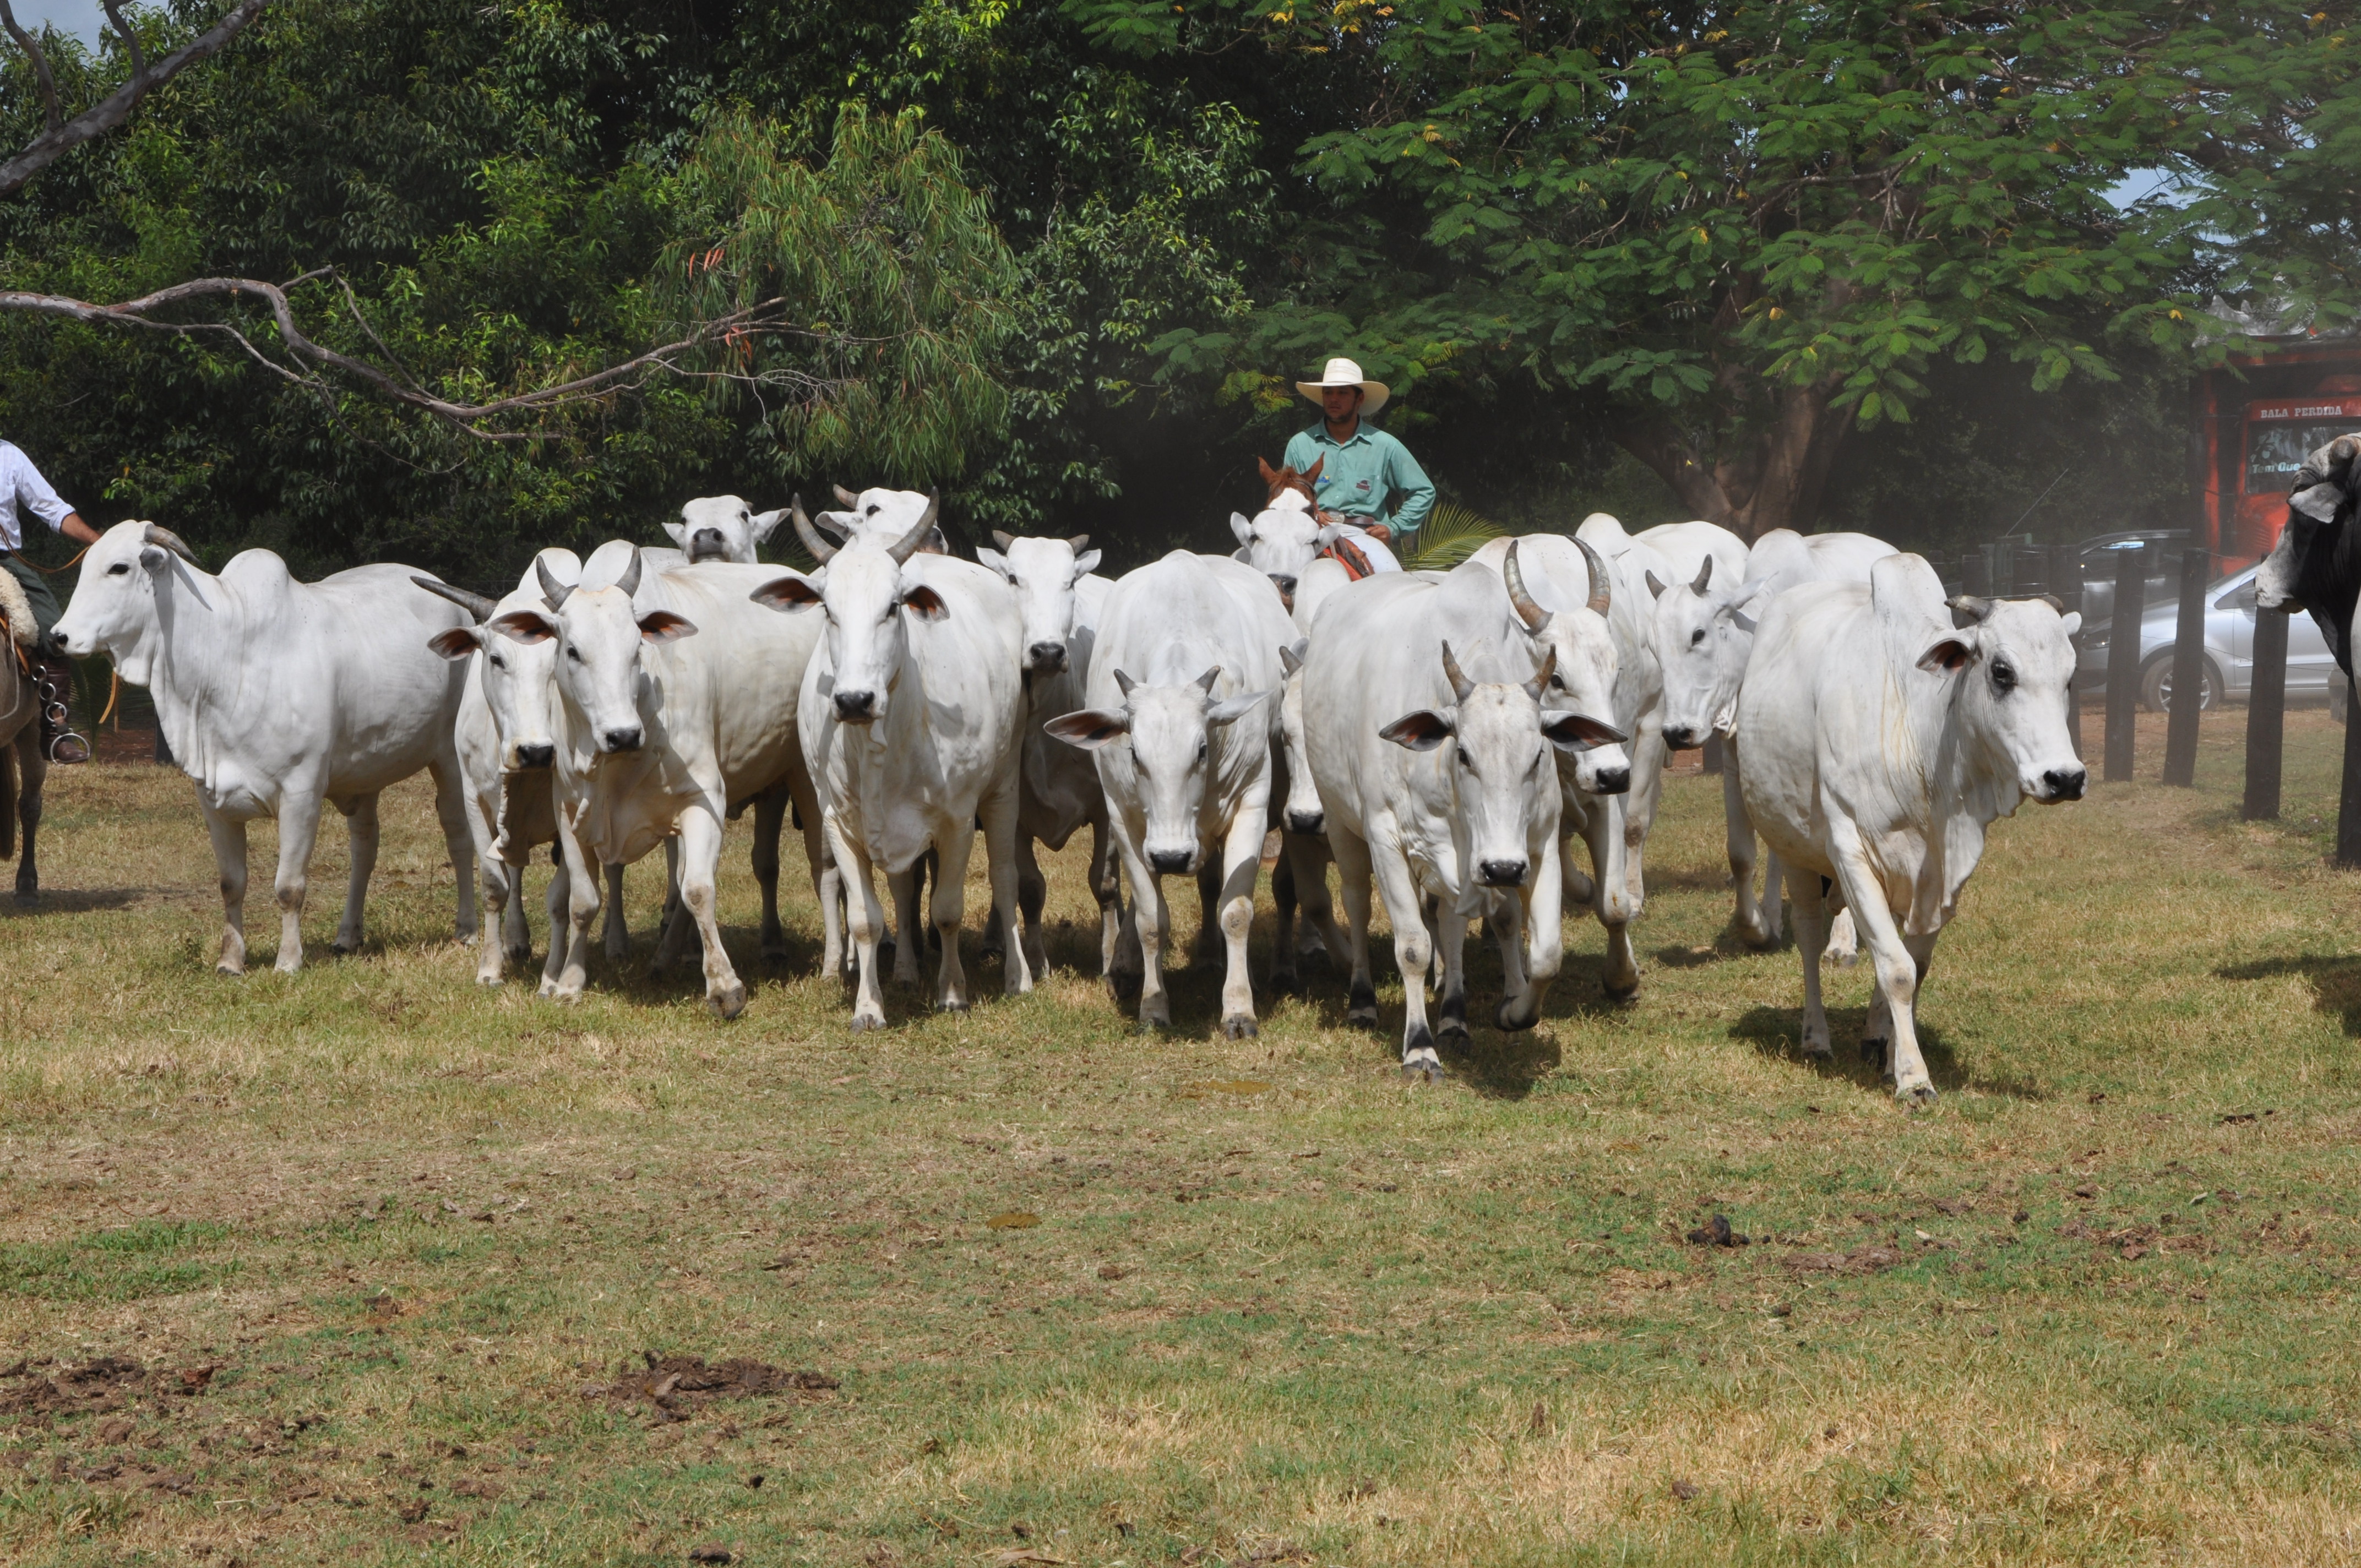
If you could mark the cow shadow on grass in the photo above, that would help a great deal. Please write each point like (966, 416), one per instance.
(1777, 1033)
(2334, 979)
(70, 901)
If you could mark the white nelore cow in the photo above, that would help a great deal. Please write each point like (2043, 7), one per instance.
(912, 732)
(1476, 824)
(1705, 630)
(678, 702)
(720, 528)
(1881, 732)
(1061, 598)
(1185, 666)
(279, 696)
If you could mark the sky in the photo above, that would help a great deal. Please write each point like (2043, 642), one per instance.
(80, 17)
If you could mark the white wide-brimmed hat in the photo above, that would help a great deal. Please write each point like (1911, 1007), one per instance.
(1345, 373)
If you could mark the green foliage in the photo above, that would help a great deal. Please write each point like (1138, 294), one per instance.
(1451, 534)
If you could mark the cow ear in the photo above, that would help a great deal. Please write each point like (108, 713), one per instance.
(1743, 621)
(1950, 652)
(523, 626)
(1290, 658)
(458, 642)
(2070, 622)
(840, 523)
(1421, 731)
(679, 532)
(1230, 709)
(154, 557)
(1086, 563)
(1655, 588)
(1089, 727)
(763, 522)
(924, 603)
(789, 593)
(993, 558)
(1242, 528)
(664, 626)
(1575, 731)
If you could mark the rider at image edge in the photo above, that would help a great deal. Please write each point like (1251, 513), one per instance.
(23, 490)
(1367, 478)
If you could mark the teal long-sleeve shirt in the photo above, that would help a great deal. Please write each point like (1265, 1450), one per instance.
(1371, 476)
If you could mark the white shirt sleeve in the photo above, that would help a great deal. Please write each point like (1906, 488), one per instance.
(30, 491)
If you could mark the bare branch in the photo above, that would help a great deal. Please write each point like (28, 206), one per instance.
(130, 41)
(40, 65)
(63, 137)
(312, 360)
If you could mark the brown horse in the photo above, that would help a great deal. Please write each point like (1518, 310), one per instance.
(1282, 480)
(23, 767)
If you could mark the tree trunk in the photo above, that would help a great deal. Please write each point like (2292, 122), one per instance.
(1769, 477)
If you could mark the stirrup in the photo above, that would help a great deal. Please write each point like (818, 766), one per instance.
(57, 741)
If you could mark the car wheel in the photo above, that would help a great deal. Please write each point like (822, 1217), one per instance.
(2156, 684)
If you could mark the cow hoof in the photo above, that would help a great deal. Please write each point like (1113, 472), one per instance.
(236, 971)
(1619, 992)
(1917, 1097)
(1240, 1026)
(775, 953)
(951, 1007)
(1420, 1067)
(1510, 1020)
(518, 954)
(1361, 1006)
(1872, 1052)
(863, 1023)
(490, 980)
(727, 1003)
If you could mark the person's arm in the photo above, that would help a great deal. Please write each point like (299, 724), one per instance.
(37, 496)
(74, 528)
(1407, 479)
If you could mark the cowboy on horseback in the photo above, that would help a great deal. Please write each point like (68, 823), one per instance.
(1367, 478)
(22, 489)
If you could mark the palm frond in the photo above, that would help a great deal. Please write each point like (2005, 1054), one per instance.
(1451, 534)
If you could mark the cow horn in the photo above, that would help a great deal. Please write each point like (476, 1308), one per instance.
(1601, 590)
(157, 534)
(476, 605)
(1968, 611)
(629, 581)
(1539, 683)
(1079, 543)
(2053, 601)
(1462, 688)
(1124, 683)
(820, 548)
(1003, 540)
(553, 592)
(909, 545)
(1703, 578)
(1534, 617)
(845, 496)
(1208, 678)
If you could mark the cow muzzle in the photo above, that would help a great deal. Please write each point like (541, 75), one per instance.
(1045, 658)
(1683, 737)
(1501, 874)
(620, 739)
(1306, 821)
(536, 756)
(1613, 781)
(2061, 783)
(1172, 863)
(707, 544)
(856, 706)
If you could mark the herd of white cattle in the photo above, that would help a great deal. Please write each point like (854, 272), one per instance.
(1447, 734)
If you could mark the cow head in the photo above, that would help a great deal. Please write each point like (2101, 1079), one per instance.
(2007, 664)
(519, 679)
(1702, 637)
(1580, 653)
(1170, 734)
(2316, 563)
(598, 641)
(1501, 741)
(1284, 539)
(723, 528)
(865, 596)
(121, 601)
(1043, 571)
(1303, 814)
(883, 517)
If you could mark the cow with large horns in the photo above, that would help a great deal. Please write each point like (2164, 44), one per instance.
(1881, 730)
(678, 703)
(279, 698)
(912, 732)
(1431, 776)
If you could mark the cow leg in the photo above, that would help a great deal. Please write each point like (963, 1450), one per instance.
(1451, 1004)
(1150, 923)
(770, 821)
(1639, 807)
(1032, 896)
(1811, 936)
(1603, 832)
(672, 881)
(229, 856)
(561, 901)
(361, 832)
(1208, 953)
(1540, 944)
(451, 810)
(1241, 863)
(516, 931)
(1897, 975)
(1283, 942)
(581, 908)
(33, 771)
(1317, 932)
(672, 937)
(1351, 853)
(906, 886)
(1738, 834)
(501, 915)
(299, 830)
(615, 932)
(867, 920)
(1001, 843)
(806, 801)
(1413, 952)
(945, 907)
(700, 864)
(1106, 886)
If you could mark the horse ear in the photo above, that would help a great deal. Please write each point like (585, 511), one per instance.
(1312, 475)
(1269, 474)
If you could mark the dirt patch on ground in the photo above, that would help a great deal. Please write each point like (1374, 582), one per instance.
(676, 1384)
(106, 1384)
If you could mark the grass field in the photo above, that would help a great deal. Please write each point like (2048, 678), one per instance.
(369, 1264)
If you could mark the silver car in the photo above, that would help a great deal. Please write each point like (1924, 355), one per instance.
(2229, 650)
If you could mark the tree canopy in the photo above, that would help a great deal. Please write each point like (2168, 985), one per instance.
(1064, 257)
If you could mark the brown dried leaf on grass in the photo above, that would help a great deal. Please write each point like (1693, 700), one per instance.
(675, 1382)
(99, 1384)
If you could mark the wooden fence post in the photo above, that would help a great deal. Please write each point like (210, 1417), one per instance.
(2124, 660)
(2188, 669)
(2266, 716)
(2066, 583)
